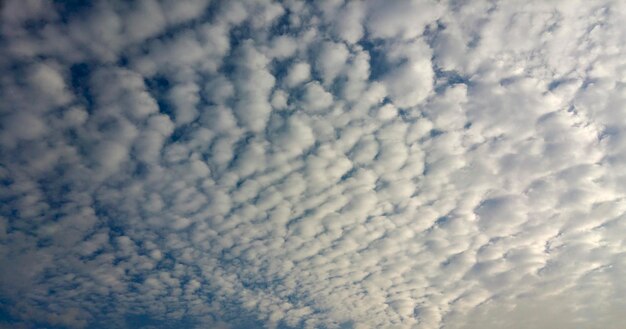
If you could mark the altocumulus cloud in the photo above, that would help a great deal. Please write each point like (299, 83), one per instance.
(322, 164)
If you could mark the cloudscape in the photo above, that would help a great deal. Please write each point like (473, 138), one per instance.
(418, 164)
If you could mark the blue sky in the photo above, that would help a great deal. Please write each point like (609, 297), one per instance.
(323, 164)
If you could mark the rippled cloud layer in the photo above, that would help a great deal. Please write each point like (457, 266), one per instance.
(324, 164)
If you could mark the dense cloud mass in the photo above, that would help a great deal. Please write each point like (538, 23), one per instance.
(322, 164)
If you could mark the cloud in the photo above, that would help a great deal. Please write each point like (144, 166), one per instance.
(335, 164)
(298, 73)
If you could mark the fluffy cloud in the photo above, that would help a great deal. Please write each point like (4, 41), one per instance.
(337, 164)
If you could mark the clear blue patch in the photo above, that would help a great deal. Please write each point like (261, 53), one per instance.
(379, 66)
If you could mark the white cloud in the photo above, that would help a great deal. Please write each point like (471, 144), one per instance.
(253, 84)
(185, 100)
(404, 20)
(411, 79)
(330, 61)
(298, 73)
(315, 98)
(245, 164)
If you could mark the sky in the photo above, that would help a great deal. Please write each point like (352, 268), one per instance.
(332, 164)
